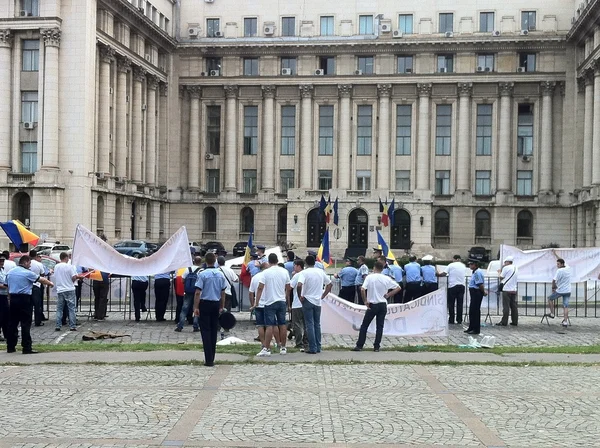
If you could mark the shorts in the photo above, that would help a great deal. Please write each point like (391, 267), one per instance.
(565, 296)
(275, 314)
(259, 313)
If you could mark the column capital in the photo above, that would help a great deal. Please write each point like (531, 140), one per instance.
(384, 90)
(345, 90)
(107, 53)
(152, 82)
(588, 76)
(269, 91)
(561, 87)
(6, 39)
(194, 91)
(139, 73)
(595, 66)
(547, 88)
(506, 88)
(306, 90)
(123, 64)
(424, 89)
(182, 92)
(580, 84)
(465, 89)
(163, 88)
(51, 37)
(231, 91)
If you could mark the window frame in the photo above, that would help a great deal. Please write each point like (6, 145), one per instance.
(213, 130)
(401, 180)
(526, 60)
(364, 132)
(484, 131)
(326, 132)
(285, 24)
(405, 62)
(525, 130)
(32, 157)
(441, 223)
(288, 142)
(250, 131)
(325, 63)
(213, 182)
(486, 60)
(442, 182)
(249, 181)
(329, 25)
(483, 224)
(290, 62)
(325, 179)
(363, 180)
(250, 66)
(403, 141)
(210, 26)
(443, 142)
(448, 62)
(366, 25)
(521, 220)
(286, 182)
(486, 15)
(526, 17)
(446, 22)
(402, 26)
(29, 106)
(31, 6)
(524, 183)
(250, 25)
(30, 57)
(483, 183)
(366, 64)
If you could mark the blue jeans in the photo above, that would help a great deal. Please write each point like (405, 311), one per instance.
(312, 318)
(65, 298)
(188, 302)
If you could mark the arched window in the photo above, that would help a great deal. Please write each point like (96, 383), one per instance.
(483, 224)
(441, 227)
(21, 207)
(282, 224)
(210, 220)
(524, 224)
(246, 220)
(100, 215)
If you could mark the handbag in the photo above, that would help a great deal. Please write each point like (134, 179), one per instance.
(501, 284)
(234, 301)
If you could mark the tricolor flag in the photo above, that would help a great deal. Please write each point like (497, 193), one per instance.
(336, 217)
(18, 233)
(323, 253)
(328, 210)
(390, 212)
(245, 276)
(385, 249)
(322, 204)
(385, 217)
(93, 274)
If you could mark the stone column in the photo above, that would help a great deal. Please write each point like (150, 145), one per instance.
(107, 55)
(163, 135)
(463, 153)
(596, 134)
(588, 130)
(50, 156)
(5, 98)
(505, 155)
(139, 75)
(306, 138)
(194, 157)
(150, 163)
(344, 149)
(423, 142)
(231, 152)
(547, 88)
(382, 179)
(267, 153)
(123, 67)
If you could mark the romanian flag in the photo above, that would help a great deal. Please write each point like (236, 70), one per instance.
(18, 233)
(94, 274)
(390, 212)
(385, 249)
(179, 290)
(245, 276)
(328, 209)
(385, 217)
(323, 253)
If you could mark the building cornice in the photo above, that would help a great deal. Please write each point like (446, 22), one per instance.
(588, 19)
(23, 24)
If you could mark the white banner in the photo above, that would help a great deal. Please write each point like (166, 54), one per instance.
(425, 316)
(91, 252)
(540, 265)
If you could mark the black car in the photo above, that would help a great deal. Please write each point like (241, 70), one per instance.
(215, 247)
(239, 248)
(478, 253)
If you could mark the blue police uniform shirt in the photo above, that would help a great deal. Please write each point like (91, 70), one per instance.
(20, 280)
(289, 265)
(263, 259)
(476, 279)
(253, 268)
(362, 271)
(319, 265)
(140, 278)
(348, 276)
(413, 272)
(428, 272)
(211, 281)
(396, 273)
(163, 275)
(3, 291)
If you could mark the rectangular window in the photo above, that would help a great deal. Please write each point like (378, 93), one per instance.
(31, 55)
(250, 130)
(250, 66)
(167, 23)
(525, 130)
(28, 157)
(249, 181)
(485, 62)
(289, 63)
(403, 129)
(365, 64)
(445, 63)
(288, 26)
(363, 180)
(31, 7)
(327, 64)
(446, 22)
(405, 64)
(402, 180)
(325, 130)
(213, 129)
(443, 129)
(250, 26)
(484, 129)
(327, 26)
(442, 182)
(287, 180)
(528, 20)
(288, 130)
(325, 180)
(213, 181)
(29, 107)
(213, 64)
(527, 61)
(405, 23)
(524, 183)
(365, 25)
(364, 130)
(212, 26)
(483, 183)
(486, 22)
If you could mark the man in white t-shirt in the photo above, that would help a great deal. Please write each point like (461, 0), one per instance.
(271, 294)
(8, 263)
(64, 276)
(456, 272)
(259, 310)
(313, 285)
(37, 293)
(375, 291)
(298, 322)
(561, 287)
(508, 279)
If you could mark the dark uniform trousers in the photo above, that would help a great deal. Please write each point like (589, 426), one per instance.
(475, 310)
(100, 298)
(161, 292)
(37, 295)
(455, 297)
(348, 293)
(138, 288)
(209, 327)
(4, 313)
(412, 291)
(20, 309)
(376, 311)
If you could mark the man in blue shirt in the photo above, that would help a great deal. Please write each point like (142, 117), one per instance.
(413, 280)
(254, 265)
(3, 299)
(347, 278)
(430, 276)
(362, 273)
(395, 272)
(477, 291)
(209, 301)
(20, 282)
(289, 265)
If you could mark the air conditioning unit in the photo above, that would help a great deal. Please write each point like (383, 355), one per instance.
(286, 71)
(148, 57)
(480, 69)
(28, 125)
(119, 179)
(193, 31)
(202, 73)
(496, 33)
(408, 70)
(449, 34)
(524, 32)
(319, 72)
(23, 13)
(488, 69)
(397, 34)
(269, 30)
(214, 73)
(521, 69)
(443, 70)
(141, 9)
(358, 72)
(99, 175)
(385, 28)
(209, 156)
(526, 158)
(219, 34)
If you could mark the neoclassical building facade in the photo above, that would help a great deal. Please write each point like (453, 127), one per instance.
(134, 117)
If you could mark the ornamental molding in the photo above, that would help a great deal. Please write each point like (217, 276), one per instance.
(424, 89)
(465, 89)
(194, 91)
(6, 38)
(139, 73)
(506, 88)
(269, 91)
(152, 82)
(345, 90)
(384, 90)
(123, 64)
(231, 91)
(163, 89)
(306, 90)
(51, 37)
(107, 53)
(547, 88)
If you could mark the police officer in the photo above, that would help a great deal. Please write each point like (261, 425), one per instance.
(413, 279)
(347, 277)
(397, 274)
(260, 252)
(318, 264)
(430, 275)
(20, 284)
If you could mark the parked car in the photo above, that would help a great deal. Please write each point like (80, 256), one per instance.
(198, 247)
(134, 248)
(239, 248)
(215, 247)
(478, 253)
(47, 261)
(52, 250)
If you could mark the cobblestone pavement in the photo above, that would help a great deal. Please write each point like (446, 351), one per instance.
(301, 405)
(530, 332)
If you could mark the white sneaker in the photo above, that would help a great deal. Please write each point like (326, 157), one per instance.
(565, 323)
(264, 352)
(283, 351)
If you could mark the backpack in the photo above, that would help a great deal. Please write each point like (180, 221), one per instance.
(189, 284)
